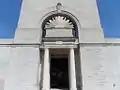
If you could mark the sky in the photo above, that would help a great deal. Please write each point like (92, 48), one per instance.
(109, 11)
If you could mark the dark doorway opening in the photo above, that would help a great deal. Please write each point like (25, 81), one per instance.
(59, 73)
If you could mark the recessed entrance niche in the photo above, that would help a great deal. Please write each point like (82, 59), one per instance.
(59, 78)
(59, 25)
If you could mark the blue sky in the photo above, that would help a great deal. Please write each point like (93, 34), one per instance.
(109, 11)
(9, 14)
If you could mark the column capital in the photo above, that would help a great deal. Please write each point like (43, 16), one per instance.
(46, 48)
(71, 48)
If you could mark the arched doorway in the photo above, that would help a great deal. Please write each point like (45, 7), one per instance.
(60, 32)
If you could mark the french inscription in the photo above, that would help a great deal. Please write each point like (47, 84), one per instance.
(98, 70)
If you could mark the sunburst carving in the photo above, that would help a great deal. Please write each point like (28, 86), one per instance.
(59, 22)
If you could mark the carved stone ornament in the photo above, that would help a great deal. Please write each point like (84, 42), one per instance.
(59, 22)
(58, 6)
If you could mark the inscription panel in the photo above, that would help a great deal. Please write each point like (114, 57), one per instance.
(95, 68)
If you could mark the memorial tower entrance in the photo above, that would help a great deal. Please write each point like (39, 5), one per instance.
(59, 38)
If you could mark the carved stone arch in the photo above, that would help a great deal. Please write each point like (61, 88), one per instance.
(63, 11)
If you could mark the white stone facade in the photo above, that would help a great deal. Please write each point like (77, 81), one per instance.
(20, 61)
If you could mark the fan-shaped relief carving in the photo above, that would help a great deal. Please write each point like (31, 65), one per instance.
(59, 25)
(59, 22)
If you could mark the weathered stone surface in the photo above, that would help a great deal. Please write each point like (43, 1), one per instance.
(23, 70)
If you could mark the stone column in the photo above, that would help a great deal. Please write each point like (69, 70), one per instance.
(46, 71)
(72, 72)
